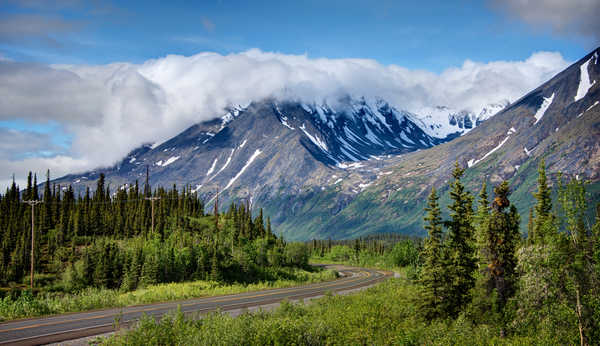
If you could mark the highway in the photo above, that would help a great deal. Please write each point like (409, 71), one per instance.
(36, 331)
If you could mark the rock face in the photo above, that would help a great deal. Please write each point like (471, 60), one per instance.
(362, 166)
(271, 145)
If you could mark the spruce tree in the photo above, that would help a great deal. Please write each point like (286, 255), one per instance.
(47, 206)
(215, 274)
(481, 222)
(543, 208)
(460, 262)
(502, 240)
(433, 275)
(530, 230)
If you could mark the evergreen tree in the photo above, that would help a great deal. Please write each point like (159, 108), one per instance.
(576, 259)
(269, 231)
(481, 224)
(530, 229)
(502, 240)
(47, 206)
(259, 224)
(460, 261)
(433, 276)
(542, 224)
(215, 274)
(149, 274)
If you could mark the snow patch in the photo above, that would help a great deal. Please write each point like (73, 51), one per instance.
(352, 136)
(590, 107)
(306, 108)
(210, 134)
(338, 181)
(350, 156)
(318, 142)
(405, 138)
(132, 160)
(283, 118)
(243, 143)
(545, 104)
(212, 168)
(584, 81)
(353, 165)
(194, 190)
(473, 162)
(285, 123)
(371, 136)
(321, 112)
(226, 162)
(169, 161)
(528, 152)
(250, 160)
(364, 186)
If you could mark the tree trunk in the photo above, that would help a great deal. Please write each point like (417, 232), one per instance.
(582, 338)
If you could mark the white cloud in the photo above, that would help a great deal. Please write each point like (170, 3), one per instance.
(563, 16)
(111, 109)
(58, 166)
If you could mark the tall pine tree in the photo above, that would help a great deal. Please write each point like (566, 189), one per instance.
(433, 276)
(460, 261)
(502, 240)
(543, 218)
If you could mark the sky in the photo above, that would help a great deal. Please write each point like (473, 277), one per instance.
(81, 80)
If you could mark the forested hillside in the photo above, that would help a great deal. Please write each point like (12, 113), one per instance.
(121, 241)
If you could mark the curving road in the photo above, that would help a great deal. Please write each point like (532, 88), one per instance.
(57, 328)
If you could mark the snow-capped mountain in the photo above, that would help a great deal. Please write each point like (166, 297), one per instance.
(305, 138)
(221, 153)
(442, 121)
(360, 166)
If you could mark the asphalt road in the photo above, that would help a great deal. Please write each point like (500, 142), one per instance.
(57, 328)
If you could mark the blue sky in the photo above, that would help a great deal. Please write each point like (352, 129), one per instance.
(431, 35)
(64, 105)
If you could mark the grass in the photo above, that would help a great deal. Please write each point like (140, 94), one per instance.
(381, 315)
(54, 303)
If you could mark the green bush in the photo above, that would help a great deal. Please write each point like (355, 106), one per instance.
(381, 315)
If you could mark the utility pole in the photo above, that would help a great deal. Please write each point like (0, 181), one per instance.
(152, 199)
(32, 203)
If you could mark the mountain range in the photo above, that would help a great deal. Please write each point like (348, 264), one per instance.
(361, 166)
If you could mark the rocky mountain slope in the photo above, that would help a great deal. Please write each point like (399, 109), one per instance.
(277, 144)
(558, 121)
(362, 166)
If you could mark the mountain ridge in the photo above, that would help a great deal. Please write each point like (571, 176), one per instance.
(317, 169)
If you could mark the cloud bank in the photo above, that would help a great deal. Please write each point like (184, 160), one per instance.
(111, 109)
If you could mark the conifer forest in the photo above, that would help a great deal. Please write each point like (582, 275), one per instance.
(112, 239)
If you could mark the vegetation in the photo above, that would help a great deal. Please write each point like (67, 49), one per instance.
(385, 251)
(91, 250)
(478, 282)
(90, 298)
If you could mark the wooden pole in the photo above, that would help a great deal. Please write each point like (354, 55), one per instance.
(152, 199)
(32, 203)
